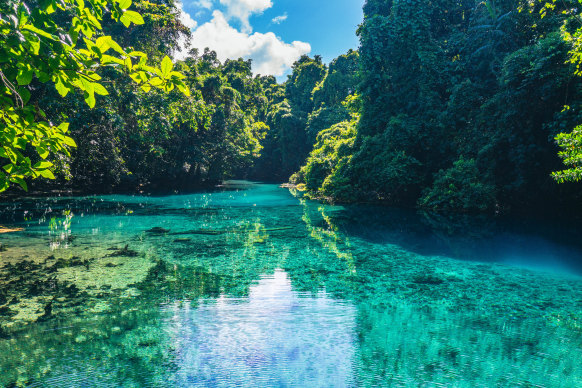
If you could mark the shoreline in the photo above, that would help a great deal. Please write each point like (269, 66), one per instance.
(556, 214)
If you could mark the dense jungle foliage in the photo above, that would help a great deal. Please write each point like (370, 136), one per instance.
(62, 43)
(461, 102)
(447, 105)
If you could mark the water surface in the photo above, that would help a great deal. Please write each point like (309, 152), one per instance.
(254, 286)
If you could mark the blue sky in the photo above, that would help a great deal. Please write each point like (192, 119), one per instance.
(274, 33)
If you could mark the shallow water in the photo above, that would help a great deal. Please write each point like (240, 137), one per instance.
(253, 286)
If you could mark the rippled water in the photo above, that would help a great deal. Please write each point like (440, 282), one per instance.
(252, 286)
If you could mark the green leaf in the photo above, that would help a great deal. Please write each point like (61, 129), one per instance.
(156, 81)
(128, 64)
(46, 174)
(135, 17)
(38, 31)
(24, 76)
(107, 59)
(138, 54)
(125, 20)
(103, 43)
(90, 98)
(44, 164)
(43, 77)
(124, 4)
(136, 78)
(34, 42)
(64, 127)
(51, 8)
(100, 90)
(184, 89)
(129, 17)
(166, 66)
(74, 34)
(85, 85)
(42, 151)
(24, 94)
(20, 181)
(61, 88)
(113, 44)
(70, 142)
(3, 182)
(177, 75)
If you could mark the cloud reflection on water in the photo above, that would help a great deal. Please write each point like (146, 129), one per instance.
(274, 337)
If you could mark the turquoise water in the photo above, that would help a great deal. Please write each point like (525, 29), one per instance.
(252, 286)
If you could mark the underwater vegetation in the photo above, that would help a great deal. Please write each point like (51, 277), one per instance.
(255, 285)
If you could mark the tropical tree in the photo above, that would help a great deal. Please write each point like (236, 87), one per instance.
(460, 103)
(61, 43)
(571, 143)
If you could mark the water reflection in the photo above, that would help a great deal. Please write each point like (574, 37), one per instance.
(275, 337)
(256, 287)
(547, 245)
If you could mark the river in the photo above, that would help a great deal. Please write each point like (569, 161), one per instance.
(252, 285)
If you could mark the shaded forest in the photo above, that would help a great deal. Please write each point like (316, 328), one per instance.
(460, 105)
(448, 105)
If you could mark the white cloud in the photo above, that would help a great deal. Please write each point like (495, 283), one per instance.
(207, 4)
(243, 9)
(270, 55)
(279, 19)
(185, 18)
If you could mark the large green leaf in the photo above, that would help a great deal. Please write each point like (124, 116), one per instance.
(43, 40)
(24, 76)
(129, 17)
(166, 66)
(124, 4)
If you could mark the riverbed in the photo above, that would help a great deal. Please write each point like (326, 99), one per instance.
(253, 285)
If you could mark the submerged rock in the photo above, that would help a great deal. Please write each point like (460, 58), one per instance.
(74, 261)
(158, 230)
(124, 252)
(48, 311)
(182, 240)
(428, 279)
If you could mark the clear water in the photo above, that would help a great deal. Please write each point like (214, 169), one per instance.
(253, 286)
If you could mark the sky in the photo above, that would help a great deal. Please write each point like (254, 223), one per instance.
(273, 33)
